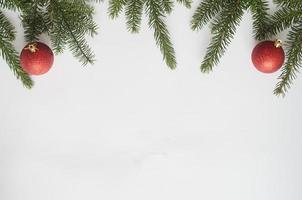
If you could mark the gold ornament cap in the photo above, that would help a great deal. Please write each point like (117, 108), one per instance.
(278, 43)
(32, 47)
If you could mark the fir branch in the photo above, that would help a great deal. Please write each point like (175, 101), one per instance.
(206, 10)
(11, 57)
(224, 28)
(116, 7)
(6, 28)
(186, 3)
(78, 45)
(167, 5)
(261, 21)
(69, 23)
(284, 18)
(134, 9)
(8, 52)
(289, 3)
(294, 60)
(155, 13)
(56, 30)
(33, 22)
(11, 4)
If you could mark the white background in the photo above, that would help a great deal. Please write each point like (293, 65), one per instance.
(130, 128)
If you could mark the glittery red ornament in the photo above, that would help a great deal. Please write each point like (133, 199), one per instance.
(268, 56)
(36, 58)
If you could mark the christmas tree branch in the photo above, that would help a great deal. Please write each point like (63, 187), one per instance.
(167, 6)
(6, 28)
(161, 34)
(8, 52)
(186, 3)
(134, 10)
(12, 4)
(294, 60)
(206, 10)
(116, 7)
(283, 19)
(259, 9)
(289, 3)
(156, 11)
(223, 30)
(33, 22)
(68, 28)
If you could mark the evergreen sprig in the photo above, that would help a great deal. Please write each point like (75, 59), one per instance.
(68, 24)
(289, 3)
(282, 19)
(134, 11)
(288, 16)
(7, 50)
(294, 60)
(161, 34)
(116, 7)
(259, 10)
(223, 30)
(11, 4)
(225, 16)
(156, 11)
(33, 21)
(186, 3)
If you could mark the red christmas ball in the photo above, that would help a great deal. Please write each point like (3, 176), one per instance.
(268, 56)
(36, 58)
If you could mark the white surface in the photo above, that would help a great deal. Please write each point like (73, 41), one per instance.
(129, 128)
